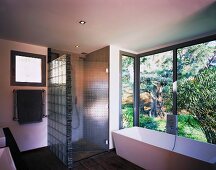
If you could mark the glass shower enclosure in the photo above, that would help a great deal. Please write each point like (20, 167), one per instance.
(77, 106)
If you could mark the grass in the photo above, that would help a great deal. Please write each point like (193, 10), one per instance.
(127, 116)
(187, 126)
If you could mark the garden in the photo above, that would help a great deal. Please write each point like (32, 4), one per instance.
(196, 91)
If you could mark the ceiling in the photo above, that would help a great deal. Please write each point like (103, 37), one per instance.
(136, 25)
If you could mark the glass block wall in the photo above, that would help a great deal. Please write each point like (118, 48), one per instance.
(60, 109)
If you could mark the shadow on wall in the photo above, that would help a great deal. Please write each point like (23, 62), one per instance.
(196, 23)
(191, 27)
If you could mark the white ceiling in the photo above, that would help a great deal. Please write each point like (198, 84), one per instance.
(136, 25)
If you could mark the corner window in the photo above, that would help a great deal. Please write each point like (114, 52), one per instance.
(28, 69)
(177, 80)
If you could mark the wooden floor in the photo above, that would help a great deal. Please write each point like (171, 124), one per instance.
(43, 159)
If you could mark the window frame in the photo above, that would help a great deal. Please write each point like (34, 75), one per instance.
(180, 45)
(137, 57)
(13, 81)
(175, 48)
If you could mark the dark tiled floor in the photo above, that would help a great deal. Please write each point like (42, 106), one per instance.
(90, 149)
(105, 161)
(43, 159)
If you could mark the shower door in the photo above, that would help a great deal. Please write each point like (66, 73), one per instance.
(93, 113)
(59, 109)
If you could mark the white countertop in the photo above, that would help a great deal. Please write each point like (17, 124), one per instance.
(6, 160)
(2, 138)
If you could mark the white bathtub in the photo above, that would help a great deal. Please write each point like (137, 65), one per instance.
(152, 150)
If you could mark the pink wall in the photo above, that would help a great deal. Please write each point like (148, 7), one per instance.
(28, 136)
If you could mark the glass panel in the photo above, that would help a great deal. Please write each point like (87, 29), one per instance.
(156, 77)
(90, 105)
(196, 92)
(127, 91)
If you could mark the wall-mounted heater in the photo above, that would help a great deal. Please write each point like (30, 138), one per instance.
(29, 106)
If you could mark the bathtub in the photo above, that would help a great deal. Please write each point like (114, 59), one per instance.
(153, 150)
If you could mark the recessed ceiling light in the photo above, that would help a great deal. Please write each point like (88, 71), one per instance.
(82, 22)
(77, 46)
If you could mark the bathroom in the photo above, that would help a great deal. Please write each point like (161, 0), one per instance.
(97, 108)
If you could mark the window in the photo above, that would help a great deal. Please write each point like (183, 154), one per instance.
(28, 69)
(196, 91)
(127, 86)
(156, 78)
(178, 80)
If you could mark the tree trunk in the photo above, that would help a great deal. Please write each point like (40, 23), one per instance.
(153, 112)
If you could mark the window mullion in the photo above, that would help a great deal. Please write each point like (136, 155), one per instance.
(136, 90)
(175, 81)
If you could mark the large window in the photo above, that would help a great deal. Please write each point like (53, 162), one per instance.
(156, 75)
(127, 79)
(28, 69)
(178, 80)
(197, 91)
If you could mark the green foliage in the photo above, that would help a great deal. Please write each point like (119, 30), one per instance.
(194, 58)
(127, 116)
(187, 125)
(148, 122)
(156, 79)
(198, 95)
(153, 123)
(127, 64)
(196, 89)
(190, 128)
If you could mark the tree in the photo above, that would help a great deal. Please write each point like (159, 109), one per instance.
(198, 95)
(156, 79)
(196, 85)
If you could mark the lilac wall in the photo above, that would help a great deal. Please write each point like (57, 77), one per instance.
(28, 136)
